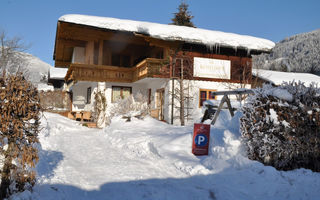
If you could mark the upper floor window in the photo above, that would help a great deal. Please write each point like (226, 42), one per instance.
(120, 60)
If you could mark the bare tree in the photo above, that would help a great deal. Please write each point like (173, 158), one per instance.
(182, 74)
(243, 76)
(11, 60)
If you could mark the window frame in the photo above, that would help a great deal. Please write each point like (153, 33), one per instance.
(207, 95)
(121, 91)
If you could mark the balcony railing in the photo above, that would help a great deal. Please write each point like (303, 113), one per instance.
(149, 67)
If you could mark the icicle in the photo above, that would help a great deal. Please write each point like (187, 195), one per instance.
(235, 50)
(248, 51)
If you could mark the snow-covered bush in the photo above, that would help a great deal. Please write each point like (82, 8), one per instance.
(132, 106)
(100, 107)
(19, 127)
(281, 126)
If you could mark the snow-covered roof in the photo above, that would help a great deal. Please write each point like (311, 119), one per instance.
(45, 87)
(58, 73)
(277, 77)
(173, 33)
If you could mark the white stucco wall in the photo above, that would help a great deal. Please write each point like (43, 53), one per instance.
(79, 96)
(78, 55)
(194, 92)
(80, 93)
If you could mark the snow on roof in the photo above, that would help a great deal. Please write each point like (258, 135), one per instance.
(172, 32)
(45, 87)
(58, 73)
(277, 77)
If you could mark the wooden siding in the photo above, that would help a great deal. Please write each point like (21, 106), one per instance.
(241, 67)
(100, 45)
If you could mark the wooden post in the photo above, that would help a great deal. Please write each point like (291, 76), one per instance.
(181, 94)
(224, 99)
(229, 105)
(100, 56)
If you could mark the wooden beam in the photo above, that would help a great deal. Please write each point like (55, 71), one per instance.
(61, 64)
(90, 53)
(71, 42)
(87, 33)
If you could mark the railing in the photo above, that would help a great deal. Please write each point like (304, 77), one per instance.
(149, 67)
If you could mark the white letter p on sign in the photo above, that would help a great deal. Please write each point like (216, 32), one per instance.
(201, 139)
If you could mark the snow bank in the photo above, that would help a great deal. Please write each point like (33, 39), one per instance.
(278, 78)
(172, 32)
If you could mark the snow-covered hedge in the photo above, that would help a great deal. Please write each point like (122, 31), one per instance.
(281, 126)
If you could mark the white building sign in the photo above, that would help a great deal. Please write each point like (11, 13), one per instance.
(211, 68)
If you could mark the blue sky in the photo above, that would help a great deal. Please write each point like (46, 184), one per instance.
(35, 20)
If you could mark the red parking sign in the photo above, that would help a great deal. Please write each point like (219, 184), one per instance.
(201, 139)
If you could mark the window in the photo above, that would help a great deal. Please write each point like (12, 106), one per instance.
(206, 95)
(119, 92)
(88, 95)
(120, 60)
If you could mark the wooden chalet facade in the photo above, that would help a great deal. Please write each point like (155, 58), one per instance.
(123, 57)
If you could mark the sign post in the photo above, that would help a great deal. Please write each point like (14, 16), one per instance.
(201, 139)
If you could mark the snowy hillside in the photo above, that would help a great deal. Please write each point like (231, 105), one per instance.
(299, 53)
(149, 159)
(36, 68)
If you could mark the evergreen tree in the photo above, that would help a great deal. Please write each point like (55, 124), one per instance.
(183, 17)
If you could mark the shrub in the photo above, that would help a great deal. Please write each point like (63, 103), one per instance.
(281, 126)
(100, 106)
(130, 107)
(19, 127)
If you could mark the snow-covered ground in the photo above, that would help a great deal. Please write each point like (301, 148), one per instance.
(149, 159)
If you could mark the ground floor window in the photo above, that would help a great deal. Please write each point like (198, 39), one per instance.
(119, 92)
(206, 95)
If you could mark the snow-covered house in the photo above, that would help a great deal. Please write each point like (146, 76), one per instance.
(277, 78)
(123, 57)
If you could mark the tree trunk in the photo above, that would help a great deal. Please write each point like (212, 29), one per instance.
(181, 96)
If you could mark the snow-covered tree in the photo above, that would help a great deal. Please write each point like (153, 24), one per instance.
(299, 53)
(19, 127)
(183, 17)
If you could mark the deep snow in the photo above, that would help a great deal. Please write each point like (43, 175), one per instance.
(149, 159)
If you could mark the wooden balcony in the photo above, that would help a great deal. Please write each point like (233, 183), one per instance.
(149, 67)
